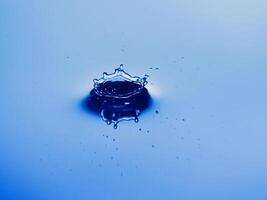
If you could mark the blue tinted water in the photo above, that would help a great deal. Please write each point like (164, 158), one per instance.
(118, 97)
(207, 66)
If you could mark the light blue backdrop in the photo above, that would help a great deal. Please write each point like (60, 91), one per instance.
(209, 138)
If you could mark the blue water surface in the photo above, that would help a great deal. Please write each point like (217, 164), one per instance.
(209, 137)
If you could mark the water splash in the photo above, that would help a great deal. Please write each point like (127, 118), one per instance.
(119, 96)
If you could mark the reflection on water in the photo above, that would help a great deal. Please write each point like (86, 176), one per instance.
(118, 97)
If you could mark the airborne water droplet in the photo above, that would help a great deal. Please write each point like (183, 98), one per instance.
(115, 126)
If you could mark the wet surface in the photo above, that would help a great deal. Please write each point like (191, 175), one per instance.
(206, 62)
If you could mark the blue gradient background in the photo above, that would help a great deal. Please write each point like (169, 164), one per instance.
(52, 149)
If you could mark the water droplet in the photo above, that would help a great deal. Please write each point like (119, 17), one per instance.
(119, 96)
